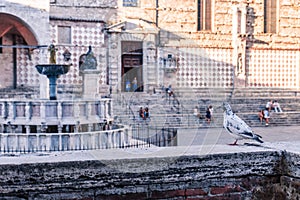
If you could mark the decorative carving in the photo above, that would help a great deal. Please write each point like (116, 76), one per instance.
(52, 49)
(89, 61)
(241, 56)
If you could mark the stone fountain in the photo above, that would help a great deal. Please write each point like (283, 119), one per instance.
(43, 125)
(52, 71)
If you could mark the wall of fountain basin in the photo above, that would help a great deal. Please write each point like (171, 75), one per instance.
(58, 125)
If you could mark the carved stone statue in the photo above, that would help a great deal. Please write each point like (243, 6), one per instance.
(89, 61)
(52, 50)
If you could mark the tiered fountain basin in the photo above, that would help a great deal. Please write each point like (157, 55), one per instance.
(58, 125)
(52, 71)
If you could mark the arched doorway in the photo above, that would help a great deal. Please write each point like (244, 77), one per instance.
(132, 66)
(15, 34)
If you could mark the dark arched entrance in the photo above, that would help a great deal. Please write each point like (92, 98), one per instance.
(132, 66)
(14, 34)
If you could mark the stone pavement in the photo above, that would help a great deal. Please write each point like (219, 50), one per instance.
(277, 137)
(190, 142)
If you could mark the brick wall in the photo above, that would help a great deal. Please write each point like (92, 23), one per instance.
(6, 70)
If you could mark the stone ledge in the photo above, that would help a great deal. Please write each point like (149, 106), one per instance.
(221, 171)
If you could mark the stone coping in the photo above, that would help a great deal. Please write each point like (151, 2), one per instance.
(145, 153)
(75, 100)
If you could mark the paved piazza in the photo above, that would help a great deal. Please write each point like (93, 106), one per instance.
(190, 142)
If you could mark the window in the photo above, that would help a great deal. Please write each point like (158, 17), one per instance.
(270, 17)
(130, 3)
(64, 34)
(204, 15)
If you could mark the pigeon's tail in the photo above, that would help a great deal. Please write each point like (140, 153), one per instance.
(257, 138)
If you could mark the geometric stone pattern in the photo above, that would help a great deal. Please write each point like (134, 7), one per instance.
(26, 71)
(208, 67)
(82, 37)
(208, 62)
(273, 68)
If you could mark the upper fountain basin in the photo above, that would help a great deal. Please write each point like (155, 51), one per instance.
(52, 69)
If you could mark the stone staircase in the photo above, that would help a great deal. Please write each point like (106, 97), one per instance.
(178, 112)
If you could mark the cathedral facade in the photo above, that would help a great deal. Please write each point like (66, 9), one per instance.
(154, 43)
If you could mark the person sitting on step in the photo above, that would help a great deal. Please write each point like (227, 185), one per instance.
(276, 106)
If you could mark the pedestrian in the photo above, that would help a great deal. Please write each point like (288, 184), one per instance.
(146, 113)
(127, 85)
(170, 91)
(197, 113)
(141, 113)
(267, 116)
(276, 106)
(134, 84)
(261, 116)
(208, 115)
(211, 109)
(269, 105)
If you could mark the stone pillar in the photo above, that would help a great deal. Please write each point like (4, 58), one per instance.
(44, 81)
(76, 110)
(59, 111)
(102, 109)
(239, 42)
(27, 127)
(43, 111)
(28, 111)
(88, 69)
(11, 111)
(90, 84)
(89, 110)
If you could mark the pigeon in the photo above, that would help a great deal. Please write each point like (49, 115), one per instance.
(236, 127)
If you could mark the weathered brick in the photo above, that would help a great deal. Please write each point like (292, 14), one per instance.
(167, 194)
(225, 189)
(194, 192)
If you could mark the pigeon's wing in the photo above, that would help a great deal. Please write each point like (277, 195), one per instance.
(243, 124)
(237, 126)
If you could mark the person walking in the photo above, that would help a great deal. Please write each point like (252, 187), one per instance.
(197, 112)
(208, 115)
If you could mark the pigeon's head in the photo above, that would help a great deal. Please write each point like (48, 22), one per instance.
(226, 107)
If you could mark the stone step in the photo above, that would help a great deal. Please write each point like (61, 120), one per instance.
(264, 92)
(291, 118)
(181, 115)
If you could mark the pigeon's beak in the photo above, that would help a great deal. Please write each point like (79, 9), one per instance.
(223, 106)
(218, 107)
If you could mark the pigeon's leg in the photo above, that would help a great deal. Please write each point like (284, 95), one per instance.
(235, 143)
